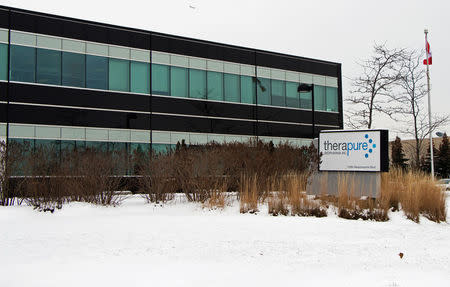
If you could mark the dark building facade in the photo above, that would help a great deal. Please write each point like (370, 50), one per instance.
(74, 83)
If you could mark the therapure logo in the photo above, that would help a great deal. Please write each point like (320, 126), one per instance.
(371, 145)
(365, 146)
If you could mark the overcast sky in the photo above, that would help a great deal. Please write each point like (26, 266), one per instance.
(340, 31)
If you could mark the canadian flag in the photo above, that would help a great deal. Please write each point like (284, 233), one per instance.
(428, 53)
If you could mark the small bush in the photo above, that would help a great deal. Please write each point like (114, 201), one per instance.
(156, 182)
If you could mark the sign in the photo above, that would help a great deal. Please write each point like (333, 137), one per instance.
(354, 150)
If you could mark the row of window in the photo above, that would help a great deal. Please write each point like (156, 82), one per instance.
(133, 136)
(53, 67)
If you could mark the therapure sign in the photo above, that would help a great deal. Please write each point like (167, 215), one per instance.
(354, 150)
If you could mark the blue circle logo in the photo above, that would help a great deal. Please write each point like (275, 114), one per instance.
(370, 145)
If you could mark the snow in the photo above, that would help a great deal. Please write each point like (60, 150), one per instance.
(184, 244)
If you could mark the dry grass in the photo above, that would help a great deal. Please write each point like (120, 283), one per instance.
(298, 200)
(352, 205)
(248, 191)
(415, 193)
(277, 201)
(217, 197)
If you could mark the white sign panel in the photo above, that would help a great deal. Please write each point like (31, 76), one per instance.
(350, 151)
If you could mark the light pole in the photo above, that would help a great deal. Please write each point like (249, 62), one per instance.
(306, 88)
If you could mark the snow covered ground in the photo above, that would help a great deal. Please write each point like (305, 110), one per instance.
(183, 244)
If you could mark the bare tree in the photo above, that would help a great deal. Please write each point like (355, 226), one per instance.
(371, 90)
(409, 97)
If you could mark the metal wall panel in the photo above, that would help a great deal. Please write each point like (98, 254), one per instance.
(76, 117)
(77, 97)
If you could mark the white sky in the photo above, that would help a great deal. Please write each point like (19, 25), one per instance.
(340, 31)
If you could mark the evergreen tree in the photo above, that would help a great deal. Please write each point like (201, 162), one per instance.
(425, 163)
(397, 156)
(443, 160)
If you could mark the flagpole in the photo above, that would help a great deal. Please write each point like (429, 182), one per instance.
(429, 105)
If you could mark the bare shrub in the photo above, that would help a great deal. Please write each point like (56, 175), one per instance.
(4, 190)
(89, 176)
(96, 177)
(13, 161)
(156, 180)
(43, 186)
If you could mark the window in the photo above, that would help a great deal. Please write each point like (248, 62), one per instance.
(140, 77)
(332, 99)
(278, 93)
(96, 72)
(23, 64)
(97, 146)
(3, 62)
(73, 69)
(292, 95)
(178, 82)
(263, 88)
(68, 146)
(48, 67)
(232, 89)
(306, 100)
(162, 148)
(215, 86)
(248, 90)
(160, 79)
(319, 98)
(197, 84)
(119, 75)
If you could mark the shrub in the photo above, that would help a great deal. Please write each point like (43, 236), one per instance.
(156, 180)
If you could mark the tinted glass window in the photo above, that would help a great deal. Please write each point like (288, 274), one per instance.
(292, 95)
(119, 75)
(140, 77)
(178, 82)
(278, 93)
(215, 86)
(248, 90)
(73, 69)
(263, 88)
(319, 98)
(306, 100)
(160, 79)
(232, 88)
(23, 64)
(3, 62)
(332, 99)
(96, 72)
(48, 67)
(197, 84)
